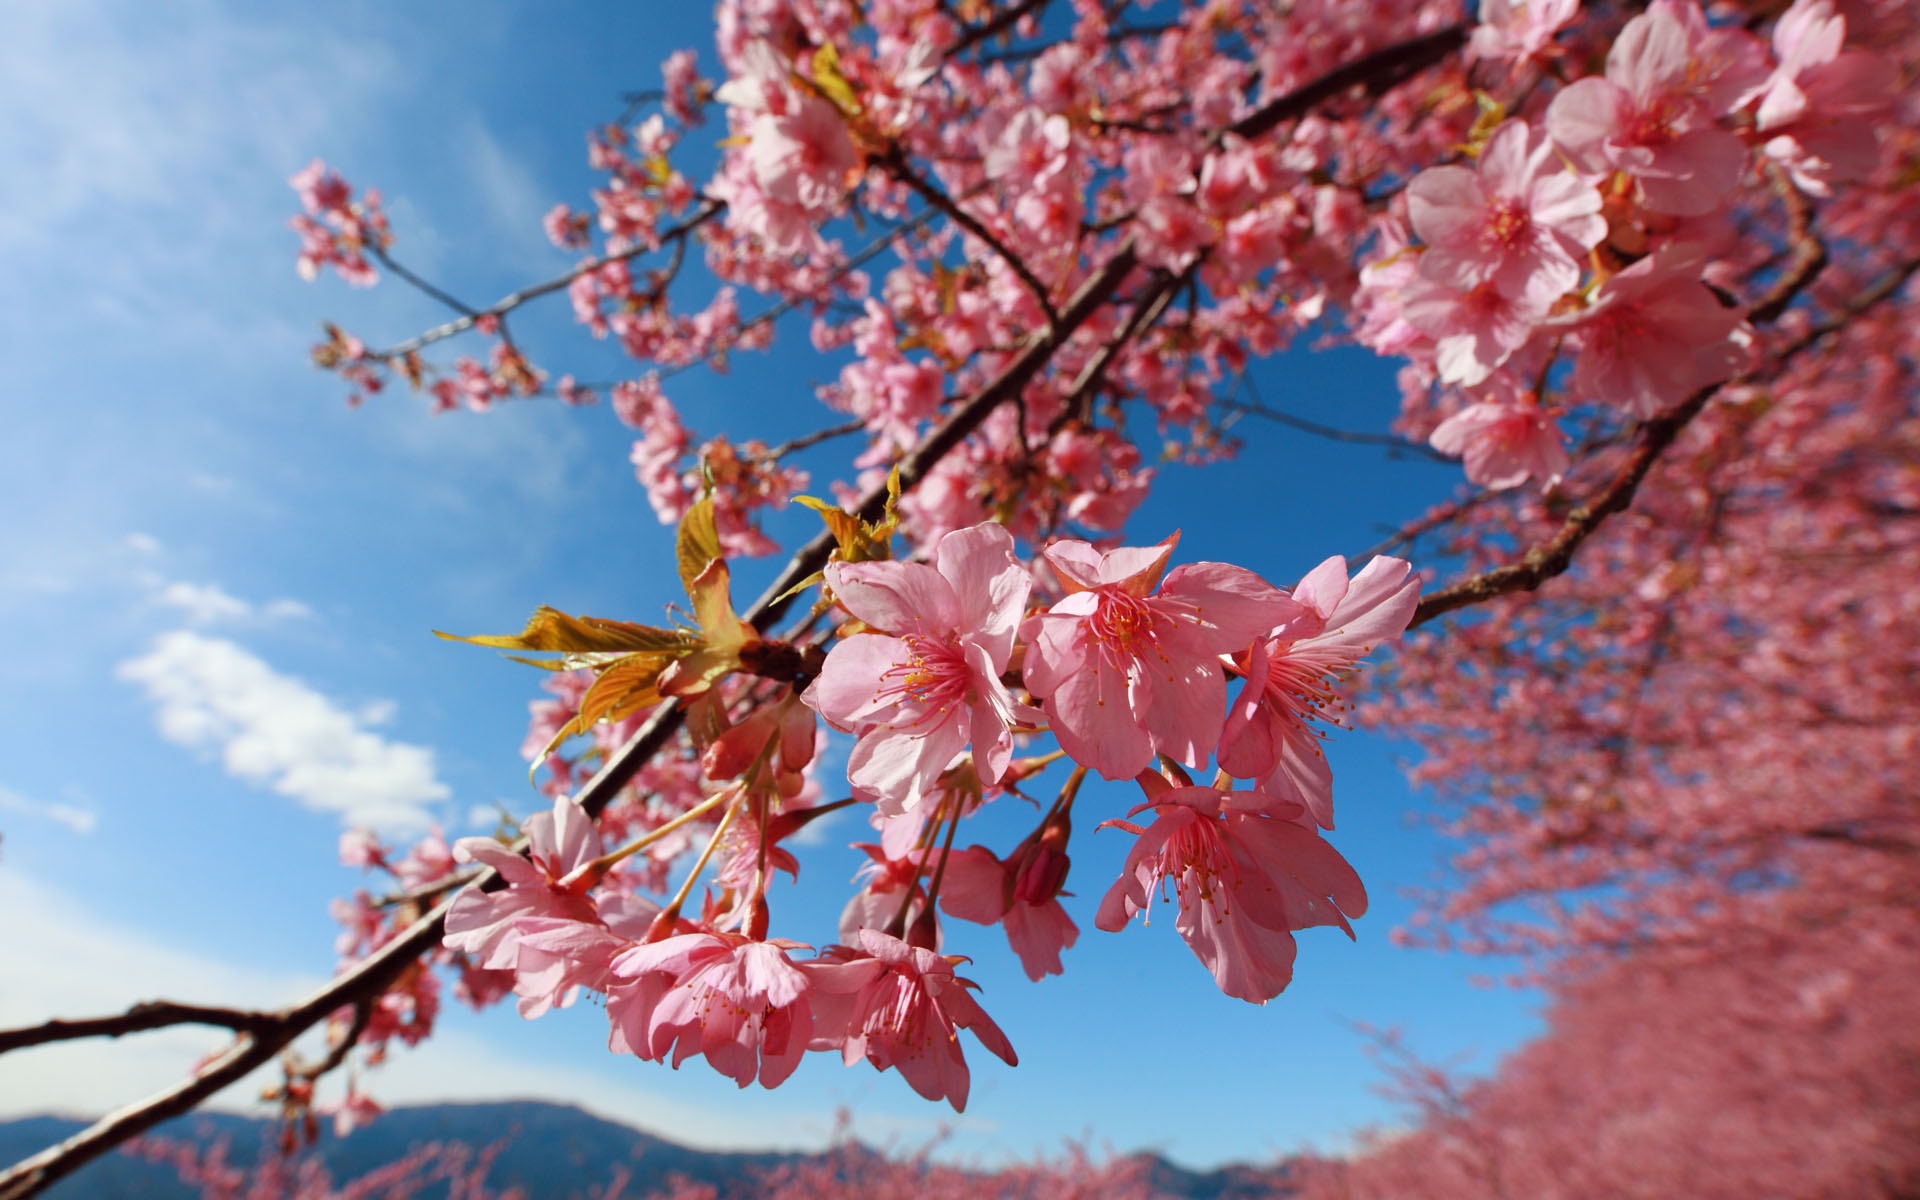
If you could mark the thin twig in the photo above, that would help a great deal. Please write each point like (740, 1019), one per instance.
(994, 26)
(812, 439)
(146, 1015)
(710, 209)
(1553, 556)
(896, 163)
(1254, 408)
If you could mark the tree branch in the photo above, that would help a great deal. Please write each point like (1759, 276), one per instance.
(1376, 72)
(895, 161)
(144, 1016)
(994, 26)
(1553, 556)
(709, 210)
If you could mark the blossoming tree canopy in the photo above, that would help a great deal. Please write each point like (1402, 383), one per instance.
(1041, 248)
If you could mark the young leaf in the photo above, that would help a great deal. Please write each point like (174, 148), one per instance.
(830, 83)
(551, 631)
(698, 542)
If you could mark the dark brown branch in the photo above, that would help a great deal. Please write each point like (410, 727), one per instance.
(1809, 252)
(813, 439)
(146, 1015)
(250, 1051)
(994, 26)
(1146, 312)
(428, 893)
(896, 163)
(337, 1053)
(1377, 72)
(1553, 556)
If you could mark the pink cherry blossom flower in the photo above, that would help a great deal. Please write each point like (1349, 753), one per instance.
(1475, 331)
(1126, 672)
(1820, 105)
(1504, 444)
(1669, 78)
(1520, 31)
(321, 189)
(892, 896)
(1517, 218)
(551, 881)
(355, 1110)
(928, 685)
(1291, 677)
(901, 1007)
(558, 957)
(429, 860)
(739, 1002)
(1246, 873)
(360, 847)
(681, 75)
(803, 157)
(1653, 334)
(978, 887)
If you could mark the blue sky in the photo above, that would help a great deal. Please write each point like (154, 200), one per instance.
(220, 582)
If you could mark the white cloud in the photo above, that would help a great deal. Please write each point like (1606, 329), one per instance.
(79, 820)
(285, 609)
(207, 603)
(273, 730)
(143, 543)
(204, 603)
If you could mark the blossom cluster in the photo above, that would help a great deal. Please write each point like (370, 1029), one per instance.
(336, 230)
(1585, 235)
(942, 671)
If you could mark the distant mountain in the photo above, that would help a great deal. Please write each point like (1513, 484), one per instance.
(552, 1151)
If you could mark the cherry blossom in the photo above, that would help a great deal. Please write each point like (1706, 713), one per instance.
(1669, 78)
(1246, 873)
(552, 880)
(927, 686)
(1653, 334)
(1504, 445)
(1518, 219)
(1293, 677)
(739, 1003)
(1821, 103)
(1126, 671)
(902, 1008)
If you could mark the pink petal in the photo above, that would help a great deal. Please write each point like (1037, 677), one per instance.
(1093, 720)
(989, 584)
(898, 597)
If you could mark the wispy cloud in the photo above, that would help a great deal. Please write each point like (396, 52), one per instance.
(79, 820)
(273, 730)
(208, 603)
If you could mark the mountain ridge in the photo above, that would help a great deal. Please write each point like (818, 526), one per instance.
(552, 1151)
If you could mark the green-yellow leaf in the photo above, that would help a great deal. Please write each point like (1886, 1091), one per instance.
(552, 631)
(698, 542)
(830, 83)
